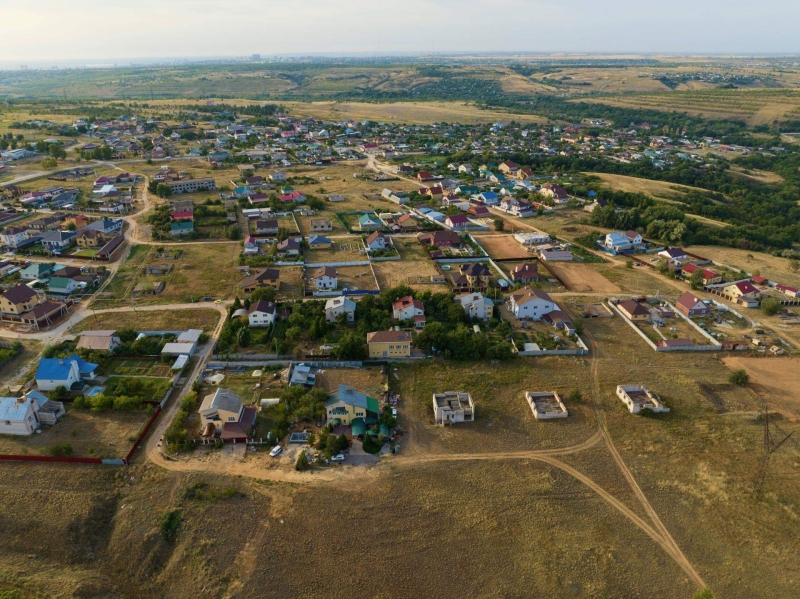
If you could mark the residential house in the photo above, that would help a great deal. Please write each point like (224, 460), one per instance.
(440, 239)
(261, 314)
(63, 372)
(19, 299)
(742, 290)
(180, 228)
(340, 305)
(348, 407)
(709, 276)
(489, 198)
(476, 305)
(788, 290)
(101, 341)
(192, 185)
(369, 222)
(410, 309)
(530, 303)
(508, 167)
(634, 310)
(525, 273)
(14, 237)
(673, 254)
(223, 414)
(556, 192)
(324, 278)
(389, 344)
(91, 238)
(289, 247)
(619, 241)
(560, 321)
(268, 277)
(36, 271)
(407, 222)
(319, 242)
(56, 241)
(471, 276)
(377, 241)
(24, 415)
(691, 305)
(267, 226)
(62, 285)
(457, 221)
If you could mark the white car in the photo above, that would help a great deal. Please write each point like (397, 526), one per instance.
(276, 451)
(339, 457)
(394, 412)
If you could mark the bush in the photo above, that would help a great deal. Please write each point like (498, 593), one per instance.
(770, 306)
(170, 523)
(704, 594)
(302, 462)
(61, 450)
(575, 396)
(739, 377)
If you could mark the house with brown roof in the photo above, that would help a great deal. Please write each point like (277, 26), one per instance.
(709, 276)
(19, 299)
(691, 305)
(440, 239)
(91, 238)
(268, 277)
(289, 247)
(634, 310)
(389, 344)
(377, 241)
(742, 290)
(324, 278)
(100, 341)
(508, 167)
(531, 303)
(407, 308)
(525, 273)
(471, 276)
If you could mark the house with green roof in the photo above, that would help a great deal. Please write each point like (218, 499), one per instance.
(348, 407)
(369, 222)
(62, 285)
(181, 228)
(36, 271)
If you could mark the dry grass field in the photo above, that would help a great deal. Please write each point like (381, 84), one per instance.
(581, 278)
(502, 246)
(753, 106)
(405, 112)
(772, 267)
(367, 380)
(151, 320)
(21, 366)
(405, 272)
(292, 283)
(349, 277)
(775, 380)
(657, 189)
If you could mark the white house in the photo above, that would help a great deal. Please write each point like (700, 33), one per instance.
(13, 236)
(621, 241)
(476, 305)
(63, 372)
(18, 416)
(407, 308)
(340, 305)
(325, 278)
(531, 303)
(261, 314)
(377, 241)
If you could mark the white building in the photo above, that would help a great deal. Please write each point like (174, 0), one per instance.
(340, 305)
(453, 406)
(531, 303)
(325, 278)
(546, 405)
(261, 314)
(476, 305)
(532, 238)
(638, 398)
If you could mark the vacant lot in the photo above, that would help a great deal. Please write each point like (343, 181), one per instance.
(544, 276)
(408, 272)
(657, 189)
(22, 365)
(776, 380)
(349, 277)
(337, 228)
(292, 282)
(151, 320)
(366, 380)
(89, 434)
(581, 278)
(343, 250)
(504, 421)
(502, 246)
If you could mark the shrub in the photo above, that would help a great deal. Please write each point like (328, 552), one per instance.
(770, 306)
(739, 377)
(170, 523)
(575, 396)
(64, 449)
(302, 462)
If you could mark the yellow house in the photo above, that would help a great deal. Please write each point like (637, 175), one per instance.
(19, 299)
(389, 344)
(90, 238)
(742, 290)
(346, 405)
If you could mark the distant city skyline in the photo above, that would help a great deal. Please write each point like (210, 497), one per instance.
(36, 31)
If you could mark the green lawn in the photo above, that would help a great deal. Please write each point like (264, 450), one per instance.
(91, 253)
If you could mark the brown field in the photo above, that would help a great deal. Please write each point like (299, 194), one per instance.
(757, 175)
(641, 280)
(21, 366)
(581, 278)
(658, 189)
(502, 246)
(292, 284)
(393, 274)
(337, 226)
(356, 277)
(367, 380)
(343, 250)
(91, 434)
(405, 112)
(151, 320)
(776, 380)
(753, 106)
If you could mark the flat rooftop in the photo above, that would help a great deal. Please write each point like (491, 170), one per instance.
(454, 400)
(546, 402)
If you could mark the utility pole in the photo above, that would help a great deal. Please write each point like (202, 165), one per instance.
(771, 445)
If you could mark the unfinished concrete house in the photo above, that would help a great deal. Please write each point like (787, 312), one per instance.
(453, 406)
(638, 398)
(546, 405)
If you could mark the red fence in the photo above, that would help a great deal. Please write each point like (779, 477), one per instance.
(49, 458)
(143, 434)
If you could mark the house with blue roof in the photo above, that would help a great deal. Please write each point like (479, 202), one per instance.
(36, 271)
(67, 372)
(319, 242)
(489, 198)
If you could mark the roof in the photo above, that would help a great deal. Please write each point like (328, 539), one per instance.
(375, 235)
(527, 294)
(525, 270)
(324, 271)
(351, 397)
(14, 409)
(341, 301)
(745, 287)
(634, 308)
(177, 348)
(407, 301)
(458, 219)
(190, 336)
(222, 399)
(262, 306)
(19, 294)
(389, 337)
(185, 225)
(58, 369)
(318, 240)
(688, 300)
(96, 343)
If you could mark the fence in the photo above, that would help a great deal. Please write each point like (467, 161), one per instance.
(252, 357)
(51, 459)
(582, 351)
(659, 348)
(144, 432)
(353, 263)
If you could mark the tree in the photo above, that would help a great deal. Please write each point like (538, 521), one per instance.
(342, 443)
(770, 306)
(739, 377)
(499, 224)
(71, 226)
(704, 594)
(243, 337)
(696, 280)
(352, 346)
(169, 525)
(49, 163)
(794, 265)
(302, 462)
(163, 190)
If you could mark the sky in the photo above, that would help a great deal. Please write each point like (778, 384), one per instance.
(113, 30)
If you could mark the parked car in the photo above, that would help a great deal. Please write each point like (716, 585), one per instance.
(339, 457)
(394, 412)
(276, 451)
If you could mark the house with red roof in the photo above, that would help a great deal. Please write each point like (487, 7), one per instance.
(182, 215)
(457, 221)
(742, 290)
(709, 276)
(408, 308)
(691, 305)
(786, 290)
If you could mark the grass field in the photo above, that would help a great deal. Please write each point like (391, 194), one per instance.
(405, 272)
(502, 246)
(772, 267)
(151, 320)
(582, 278)
(21, 367)
(657, 189)
(775, 380)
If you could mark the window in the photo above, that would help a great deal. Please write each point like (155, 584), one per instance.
(231, 419)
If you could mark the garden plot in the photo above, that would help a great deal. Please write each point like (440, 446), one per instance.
(337, 228)
(146, 367)
(368, 380)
